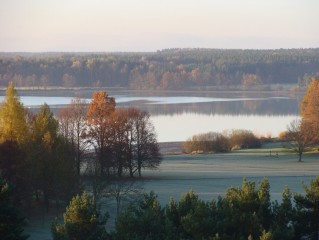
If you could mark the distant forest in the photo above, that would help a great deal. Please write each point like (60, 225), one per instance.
(171, 69)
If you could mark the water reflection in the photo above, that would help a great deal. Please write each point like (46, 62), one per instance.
(179, 127)
(179, 115)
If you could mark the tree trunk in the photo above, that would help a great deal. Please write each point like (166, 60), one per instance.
(139, 168)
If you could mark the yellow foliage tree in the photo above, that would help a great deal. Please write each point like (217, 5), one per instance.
(13, 125)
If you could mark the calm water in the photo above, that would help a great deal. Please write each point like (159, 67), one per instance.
(178, 116)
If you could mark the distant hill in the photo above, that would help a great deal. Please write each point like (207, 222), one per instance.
(170, 69)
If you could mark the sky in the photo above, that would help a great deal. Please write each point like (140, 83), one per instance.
(151, 25)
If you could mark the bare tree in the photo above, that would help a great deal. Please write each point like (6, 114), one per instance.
(146, 152)
(298, 136)
(124, 190)
(73, 126)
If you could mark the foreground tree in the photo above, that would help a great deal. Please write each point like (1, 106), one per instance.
(192, 218)
(82, 221)
(52, 159)
(245, 211)
(13, 124)
(282, 216)
(10, 221)
(307, 212)
(13, 168)
(145, 220)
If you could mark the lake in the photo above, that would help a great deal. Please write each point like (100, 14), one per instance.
(179, 115)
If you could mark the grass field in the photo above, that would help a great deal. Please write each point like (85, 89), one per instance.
(211, 174)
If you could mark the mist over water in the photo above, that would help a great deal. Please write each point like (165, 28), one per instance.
(179, 115)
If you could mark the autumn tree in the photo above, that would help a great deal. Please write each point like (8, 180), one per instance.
(310, 109)
(120, 142)
(251, 80)
(13, 124)
(98, 116)
(132, 142)
(73, 127)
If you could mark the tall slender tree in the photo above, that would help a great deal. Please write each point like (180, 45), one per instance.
(98, 116)
(310, 109)
(14, 169)
(13, 124)
(11, 223)
(53, 167)
(73, 127)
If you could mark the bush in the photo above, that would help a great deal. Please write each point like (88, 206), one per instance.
(206, 142)
(243, 139)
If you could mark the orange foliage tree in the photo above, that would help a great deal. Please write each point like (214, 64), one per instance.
(310, 110)
(98, 116)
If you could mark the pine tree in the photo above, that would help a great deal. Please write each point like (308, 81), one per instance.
(10, 221)
(82, 221)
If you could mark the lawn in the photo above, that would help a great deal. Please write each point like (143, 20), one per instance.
(211, 174)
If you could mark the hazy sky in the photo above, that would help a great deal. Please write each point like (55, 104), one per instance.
(150, 25)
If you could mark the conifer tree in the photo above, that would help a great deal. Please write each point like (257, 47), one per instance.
(82, 221)
(10, 221)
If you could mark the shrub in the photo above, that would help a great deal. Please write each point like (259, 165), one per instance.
(206, 142)
(243, 139)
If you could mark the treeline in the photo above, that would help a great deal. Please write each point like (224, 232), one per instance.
(244, 212)
(162, 70)
(48, 160)
(221, 142)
